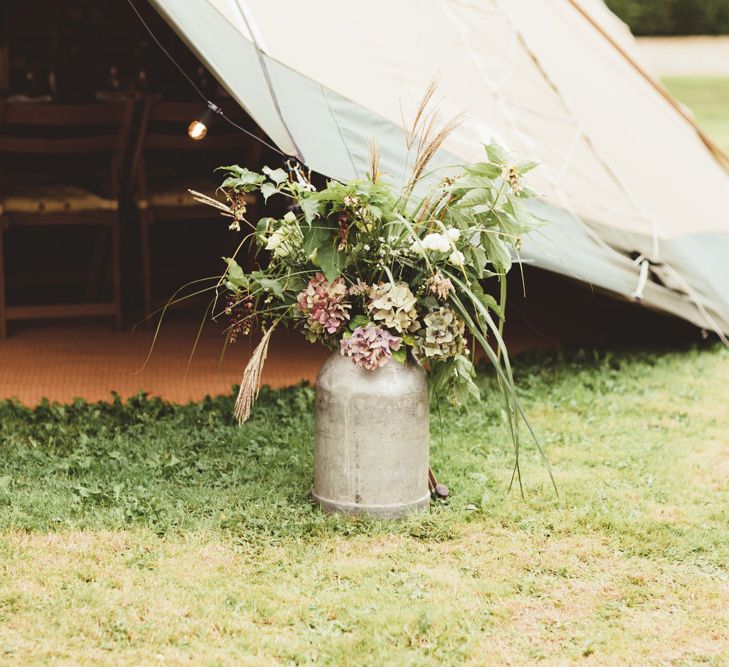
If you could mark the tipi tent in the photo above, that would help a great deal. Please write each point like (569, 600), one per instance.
(637, 202)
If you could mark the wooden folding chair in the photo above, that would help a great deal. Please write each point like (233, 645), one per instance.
(72, 134)
(163, 135)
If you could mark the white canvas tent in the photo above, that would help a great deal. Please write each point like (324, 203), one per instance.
(637, 204)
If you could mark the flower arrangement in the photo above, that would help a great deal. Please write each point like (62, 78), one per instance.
(380, 273)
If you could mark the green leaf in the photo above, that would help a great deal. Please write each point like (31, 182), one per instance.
(232, 169)
(476, 196)
(485, 169)
(430, 302)
(401, 355)
(375, 211)
(465, 373)
(497, 252)
(478, 259)
(525, 167)
(521, 212)
(235, 274)
(358, 321)
(496, 154)
(480, 209)
(310, 207)
(240, 178)
(278, 176)
(271, 285)
(293, 283)
(231, 182)
(330, 260)
(489, 301)
(263, 226)
(268, 189)
(315, 237)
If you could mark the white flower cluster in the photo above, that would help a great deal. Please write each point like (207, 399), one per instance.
(445, 242)
(287, 239)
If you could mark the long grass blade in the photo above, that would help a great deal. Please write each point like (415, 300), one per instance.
(504, 373)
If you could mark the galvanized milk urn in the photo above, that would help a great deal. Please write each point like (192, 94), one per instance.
(371, 452)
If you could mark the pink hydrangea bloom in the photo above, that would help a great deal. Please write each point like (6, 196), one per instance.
(323, 304)
(370, 347)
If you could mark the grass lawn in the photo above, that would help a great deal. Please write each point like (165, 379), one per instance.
(708, 98)
(152, 534)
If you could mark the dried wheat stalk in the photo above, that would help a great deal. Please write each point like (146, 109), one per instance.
(250, 384)
(430, 142)
(374, 162)
(413, 134)
(211, 201)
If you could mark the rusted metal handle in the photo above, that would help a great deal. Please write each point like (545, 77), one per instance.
(440, 490)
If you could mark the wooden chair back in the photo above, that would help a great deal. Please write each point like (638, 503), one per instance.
(164, 126)
(69, 130)
(163, 129)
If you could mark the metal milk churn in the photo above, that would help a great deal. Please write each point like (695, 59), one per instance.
(372, 427)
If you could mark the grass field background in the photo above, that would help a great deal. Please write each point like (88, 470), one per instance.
(708, 99)
(146, 533)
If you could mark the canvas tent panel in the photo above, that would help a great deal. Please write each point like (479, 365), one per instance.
(483, 70)
(213, 32)
(614, 27)
(231, 12)
(657, 153)
(564, 247)
(536, 77)
(704, 259)
(317, 130)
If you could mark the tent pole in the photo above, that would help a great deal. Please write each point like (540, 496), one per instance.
(721, 157)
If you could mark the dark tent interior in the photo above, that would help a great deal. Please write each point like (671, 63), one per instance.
(59, 263)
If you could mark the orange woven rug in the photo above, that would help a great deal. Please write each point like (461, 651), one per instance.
(62, 361)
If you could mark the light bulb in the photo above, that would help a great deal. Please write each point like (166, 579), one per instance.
(196, 130)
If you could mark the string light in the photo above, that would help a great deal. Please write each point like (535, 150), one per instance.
(196, 88)
(197, 130)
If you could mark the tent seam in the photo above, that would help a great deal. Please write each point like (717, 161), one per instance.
(339, 128)
(269, 83)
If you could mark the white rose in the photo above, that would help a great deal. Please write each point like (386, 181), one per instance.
(437, 242)
(457, 258)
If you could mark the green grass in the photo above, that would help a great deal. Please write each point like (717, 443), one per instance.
(152, 534)
(708, 98)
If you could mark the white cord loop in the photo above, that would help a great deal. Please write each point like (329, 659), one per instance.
(645, 265)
